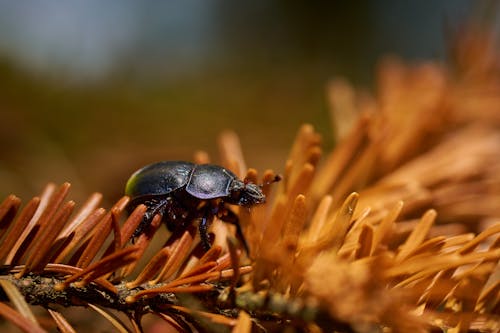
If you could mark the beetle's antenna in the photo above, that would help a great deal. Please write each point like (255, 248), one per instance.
(276, 179)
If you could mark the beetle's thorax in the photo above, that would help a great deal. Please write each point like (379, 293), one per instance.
(245, 194)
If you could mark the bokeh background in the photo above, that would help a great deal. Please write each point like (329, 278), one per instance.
(92, 90)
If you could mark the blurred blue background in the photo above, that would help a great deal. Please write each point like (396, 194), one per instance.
(91, 90)
(88, 39)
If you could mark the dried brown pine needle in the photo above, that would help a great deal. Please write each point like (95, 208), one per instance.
(104, 266)
(117, 324)
(18, 227)
(102, 231)
(8, 209)
(152, 268)
(231, 153)
(177, 257)
(61, 322)
(17, 319)
(17, 299)
(142, 242)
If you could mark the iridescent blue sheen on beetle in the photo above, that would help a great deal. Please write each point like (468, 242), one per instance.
(182, 192)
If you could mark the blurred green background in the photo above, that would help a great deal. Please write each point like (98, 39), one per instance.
(92, 90)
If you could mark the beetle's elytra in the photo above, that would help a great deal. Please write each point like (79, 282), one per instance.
(177, 190)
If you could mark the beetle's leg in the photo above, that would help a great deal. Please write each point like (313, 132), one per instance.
(156, 207)
(232, 218)
(205, 221)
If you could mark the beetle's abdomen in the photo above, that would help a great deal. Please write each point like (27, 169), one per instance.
(159, 178)
(209, 182)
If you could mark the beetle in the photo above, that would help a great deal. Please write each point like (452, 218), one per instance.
(182, 192)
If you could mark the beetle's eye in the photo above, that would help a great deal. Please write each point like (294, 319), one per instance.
(235, 195)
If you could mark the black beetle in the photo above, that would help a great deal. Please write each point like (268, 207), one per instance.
(182, 191)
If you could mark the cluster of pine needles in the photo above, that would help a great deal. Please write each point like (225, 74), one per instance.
(397, 229)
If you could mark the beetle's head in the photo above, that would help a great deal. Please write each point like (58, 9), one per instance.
(245, 194)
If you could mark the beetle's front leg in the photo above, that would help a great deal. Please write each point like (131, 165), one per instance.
(231, 217)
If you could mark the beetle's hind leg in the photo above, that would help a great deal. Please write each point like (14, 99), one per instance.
(203, 225)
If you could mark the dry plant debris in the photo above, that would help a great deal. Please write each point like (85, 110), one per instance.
(395, 230)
